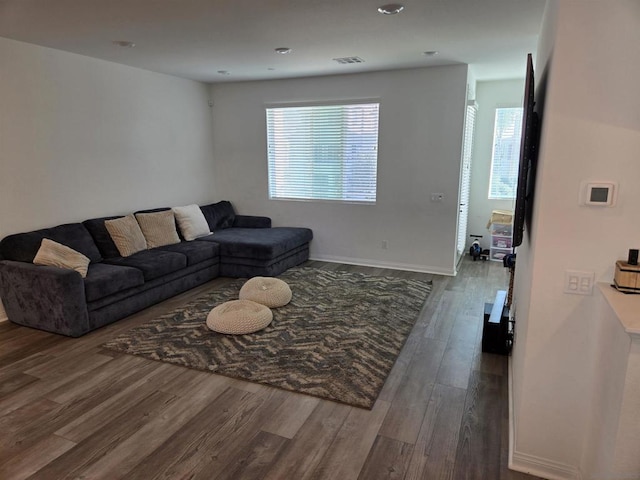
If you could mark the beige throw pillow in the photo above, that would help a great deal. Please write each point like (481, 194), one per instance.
(54, 254)
(126, 234)
(158, 228)
(191, 222)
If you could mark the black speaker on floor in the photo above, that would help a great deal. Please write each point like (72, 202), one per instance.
(496, 337)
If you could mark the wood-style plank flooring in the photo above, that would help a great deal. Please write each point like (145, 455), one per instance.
(71, 410)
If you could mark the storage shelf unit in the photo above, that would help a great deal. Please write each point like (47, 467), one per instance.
(501, 241)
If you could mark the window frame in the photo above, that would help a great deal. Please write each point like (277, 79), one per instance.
(324, 103)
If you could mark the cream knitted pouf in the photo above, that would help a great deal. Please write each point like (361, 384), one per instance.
(268, 291)
(238, 317)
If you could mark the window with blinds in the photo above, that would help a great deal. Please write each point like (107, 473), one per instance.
(506, 153)
(323, 152)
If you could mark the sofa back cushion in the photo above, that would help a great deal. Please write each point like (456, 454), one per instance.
(22, 247)
(219, 215)
(101, 236)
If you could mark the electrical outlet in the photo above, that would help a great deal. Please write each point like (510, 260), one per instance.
(578, 283)
(437, 197)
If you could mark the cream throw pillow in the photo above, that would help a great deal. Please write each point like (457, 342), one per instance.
(126, 234)
(191, 222)
(158, 228)
(54, 254)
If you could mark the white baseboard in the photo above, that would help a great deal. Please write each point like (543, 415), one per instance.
(531, 464)
(381, 264)
(542, 467)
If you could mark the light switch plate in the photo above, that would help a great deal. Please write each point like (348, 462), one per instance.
(578, 282)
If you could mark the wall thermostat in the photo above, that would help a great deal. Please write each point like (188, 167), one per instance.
(599, 194)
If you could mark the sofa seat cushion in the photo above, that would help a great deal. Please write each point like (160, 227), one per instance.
(153, 263)
(259, 243)
(103, 280)
(22, 247)
(165, 285)
(195, 252)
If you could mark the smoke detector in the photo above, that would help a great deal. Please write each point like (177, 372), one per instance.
(391, 8)
(124, 43)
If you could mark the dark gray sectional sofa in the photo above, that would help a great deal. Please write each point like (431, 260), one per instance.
(61, 301)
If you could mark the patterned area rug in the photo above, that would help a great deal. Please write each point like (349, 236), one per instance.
(337, 339)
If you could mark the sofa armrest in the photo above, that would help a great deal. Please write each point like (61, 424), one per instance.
(250, 221)
(47, 298)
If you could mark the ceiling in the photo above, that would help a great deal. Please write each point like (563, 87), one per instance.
(198, 39)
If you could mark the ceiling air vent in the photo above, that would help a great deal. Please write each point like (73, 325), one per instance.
(346, 60)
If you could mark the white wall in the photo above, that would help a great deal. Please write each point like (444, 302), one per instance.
(591, 131)
(420, 139)
(489, 96)
(81, 137)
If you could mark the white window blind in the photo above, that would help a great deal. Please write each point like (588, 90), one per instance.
(465, 177)
(506, 153)
(323, 152)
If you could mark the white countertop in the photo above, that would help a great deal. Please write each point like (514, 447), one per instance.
(625, 305)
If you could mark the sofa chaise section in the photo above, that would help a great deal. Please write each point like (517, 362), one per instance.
(266, 252)
(250, 246)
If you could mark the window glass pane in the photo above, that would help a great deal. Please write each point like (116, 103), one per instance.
(324, 152)
(506, 153)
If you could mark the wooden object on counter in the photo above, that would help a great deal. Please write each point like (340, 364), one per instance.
(627, 277)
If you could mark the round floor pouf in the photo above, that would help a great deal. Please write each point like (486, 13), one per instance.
(268, 291)
(238, 317)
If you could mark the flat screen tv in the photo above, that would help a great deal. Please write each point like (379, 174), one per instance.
(528, 159)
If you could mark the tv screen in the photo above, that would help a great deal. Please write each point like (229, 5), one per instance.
(527, 161)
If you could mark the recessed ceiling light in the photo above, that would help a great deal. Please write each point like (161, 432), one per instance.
(224, 72)
(283, 50)
(124, 43)
(430, 53)
(271, 69)
(391, 8)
